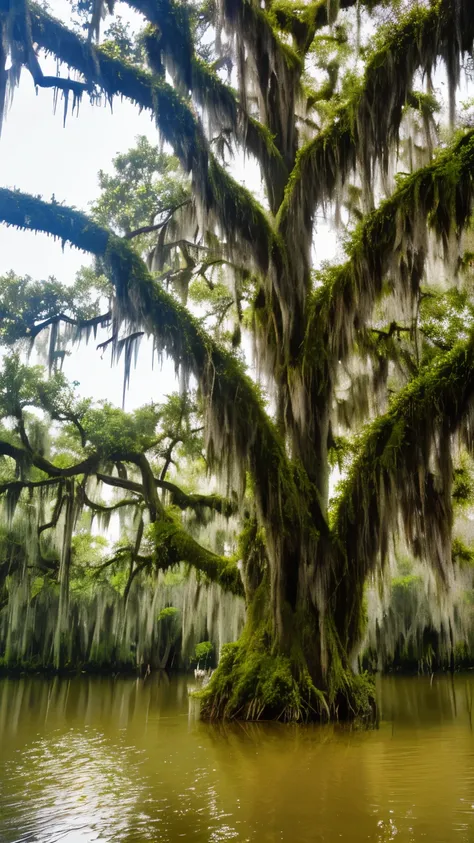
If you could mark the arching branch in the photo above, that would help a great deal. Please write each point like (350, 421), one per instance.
(179, 546)
(120, 483)
(23, 457)
(232, 206)
(402, 477)
(390, 244)
(81, 324)
(97, 507)
(224, 506)
(365, 128)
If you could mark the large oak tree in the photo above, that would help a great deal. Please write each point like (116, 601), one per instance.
(324, 136)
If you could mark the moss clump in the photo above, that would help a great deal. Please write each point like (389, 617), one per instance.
(254, 682)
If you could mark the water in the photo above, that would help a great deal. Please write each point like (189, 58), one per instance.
(94, 759)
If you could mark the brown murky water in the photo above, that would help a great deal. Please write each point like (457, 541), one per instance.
(91, 759)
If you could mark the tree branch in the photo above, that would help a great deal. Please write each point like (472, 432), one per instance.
(402, 474)
(235, 208)
(240, 435)
(56, 514)
(101, 320)
(121, 483)
(97, 507)
(148, 229)
(365, 128)
(224, 506)
(18, 485)
(24, 457)
(179, 546)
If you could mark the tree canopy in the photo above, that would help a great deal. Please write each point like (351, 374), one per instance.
(366, 363)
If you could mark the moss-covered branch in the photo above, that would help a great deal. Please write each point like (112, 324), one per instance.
(402, 476)
(185, 500)
(178, 497)
(270, 65)
(302, 20)
(24, 457)
(170, 38)
(365, 128)
(247, 229)
(240, 437)
(225, 109)
(174, 545)
(178, 546)
(177, 124)
(390, 244)
(391, 241)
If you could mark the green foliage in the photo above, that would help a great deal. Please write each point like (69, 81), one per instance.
(167, 614)
(203, 652)
(146, 185)
(462, 554)
(402, 584)
(120, 43)
(112, 431)
(25, 303)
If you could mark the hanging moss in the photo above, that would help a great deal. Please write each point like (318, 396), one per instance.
(299, 20)
(222, 107)
(389, 247)
(365, 129)
(269, 66)
(174, 36)
(304, 582)
(239, 433)
(403, 470)
(176, 121)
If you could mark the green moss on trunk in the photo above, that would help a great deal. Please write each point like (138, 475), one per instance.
(257, 680)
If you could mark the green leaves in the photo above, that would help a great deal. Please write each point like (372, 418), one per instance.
(112, 431)
(145, 187)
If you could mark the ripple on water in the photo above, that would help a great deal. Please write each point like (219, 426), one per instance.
(66, 789)
(125, 766)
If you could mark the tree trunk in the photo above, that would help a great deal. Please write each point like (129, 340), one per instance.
(292, 662)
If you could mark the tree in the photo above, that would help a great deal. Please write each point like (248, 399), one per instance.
(55, 463)
(321, 137)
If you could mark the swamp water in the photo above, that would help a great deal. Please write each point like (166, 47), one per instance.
(96, 759)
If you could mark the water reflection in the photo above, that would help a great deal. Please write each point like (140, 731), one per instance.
(92, 759)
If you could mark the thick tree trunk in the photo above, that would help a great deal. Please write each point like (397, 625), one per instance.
(294, 670)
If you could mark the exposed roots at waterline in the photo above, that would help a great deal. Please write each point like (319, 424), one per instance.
(252, 683)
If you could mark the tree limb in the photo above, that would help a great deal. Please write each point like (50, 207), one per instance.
(195, 501)
(148, 229)
(22, 457)
(402, 476)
